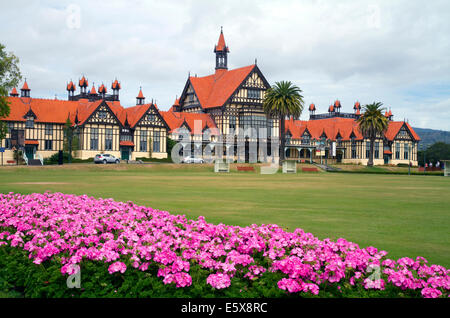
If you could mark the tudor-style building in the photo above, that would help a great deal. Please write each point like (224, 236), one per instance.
(100, 122)
(231, 98)
(334, 137)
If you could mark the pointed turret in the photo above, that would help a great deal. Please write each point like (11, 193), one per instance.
(25, 90)
(14, 93)
(140, 99)
(83, 84)
(115, 86)
(221, 50)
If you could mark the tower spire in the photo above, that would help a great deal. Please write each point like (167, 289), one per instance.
(221, 50)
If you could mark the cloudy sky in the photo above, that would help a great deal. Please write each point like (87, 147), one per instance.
(396, 52)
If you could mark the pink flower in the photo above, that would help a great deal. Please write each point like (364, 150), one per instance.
(219, 281)
(117, 267)
(431, 293)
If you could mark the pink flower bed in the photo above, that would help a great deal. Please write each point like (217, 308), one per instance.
(77, 228)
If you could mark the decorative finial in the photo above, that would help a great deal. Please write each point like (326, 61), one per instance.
(256, 61)
(221, 29)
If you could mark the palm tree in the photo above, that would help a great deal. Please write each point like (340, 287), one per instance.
(283, 100)
(372, 123)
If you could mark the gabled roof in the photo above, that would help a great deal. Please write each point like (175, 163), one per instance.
(176, 119)
(214, 90)
(45, 110)
(394, 128)
(346, 127)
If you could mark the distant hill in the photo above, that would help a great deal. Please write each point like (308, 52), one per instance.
(431, 136)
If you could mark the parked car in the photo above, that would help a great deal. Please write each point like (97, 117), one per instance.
(192, 159)
(106, 158)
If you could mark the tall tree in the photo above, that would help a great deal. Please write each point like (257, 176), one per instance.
(372, 124)
(9, 78)
(283, 100)
(71, 141)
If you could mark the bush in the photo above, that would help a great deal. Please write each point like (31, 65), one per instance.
(54, 159)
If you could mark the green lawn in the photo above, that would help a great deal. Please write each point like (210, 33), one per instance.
(405, 215)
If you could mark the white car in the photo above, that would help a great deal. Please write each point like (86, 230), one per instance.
(106, 158)
(192, 159)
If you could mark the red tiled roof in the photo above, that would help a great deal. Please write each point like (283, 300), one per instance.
(126, 143)
(214, 90)
(344, 126)
(31, 142)
(14, 92)
(330, 126)
(46, 110)
(176, 119)
(93, 91)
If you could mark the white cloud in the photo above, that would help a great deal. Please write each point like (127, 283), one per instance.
(396, 52)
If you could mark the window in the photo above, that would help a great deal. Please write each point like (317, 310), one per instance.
(232, 122)
(252, 121)
(306, 139)
(269, 127)
(29, 123)
(9, 127)
(288, 138)
(94, 138)
(48, 129)
(253, 93)
(191, 98)
(151, 117)
(48, 145)
(397, 150)
(108, 138)
(8, 143)
(156, 141)
(339, 141)
(102, 114)
(353, 148)
(406, 153)
(143, 143)
(377, 150)
(367, 149)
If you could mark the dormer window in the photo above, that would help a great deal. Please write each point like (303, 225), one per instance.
(29, 123)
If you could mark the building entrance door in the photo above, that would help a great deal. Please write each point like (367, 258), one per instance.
(125, 153)
(29, 152)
